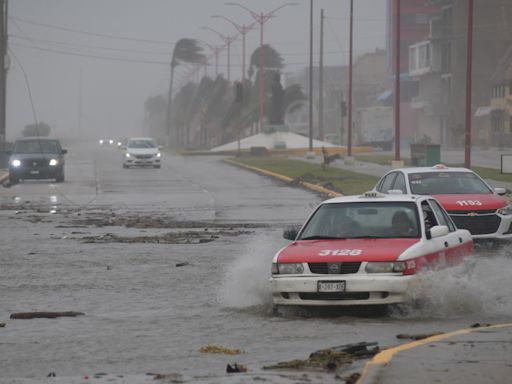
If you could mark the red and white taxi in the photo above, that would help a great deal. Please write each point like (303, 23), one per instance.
(365, 250)
(470, 201)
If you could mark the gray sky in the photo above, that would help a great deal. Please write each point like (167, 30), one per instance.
(111, 87)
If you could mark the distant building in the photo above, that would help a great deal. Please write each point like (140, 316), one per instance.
(369, 80)
(500, 108)
(438, 63)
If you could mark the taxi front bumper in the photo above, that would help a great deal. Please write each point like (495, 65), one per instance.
(360, 289)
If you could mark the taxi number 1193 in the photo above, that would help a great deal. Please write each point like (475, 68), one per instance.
(465, 203)
(340, 252)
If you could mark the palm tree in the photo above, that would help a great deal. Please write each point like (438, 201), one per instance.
(187, 51)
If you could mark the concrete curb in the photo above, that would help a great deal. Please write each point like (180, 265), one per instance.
(373, 368)
(286, 179)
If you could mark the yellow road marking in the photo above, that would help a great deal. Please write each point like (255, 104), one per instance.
(385, 356)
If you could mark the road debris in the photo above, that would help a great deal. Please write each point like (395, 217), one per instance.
(210, 348)
(418, 336)
(168, 377)
(236, 368)
(183, 264)
(331, 358)
(44, 315)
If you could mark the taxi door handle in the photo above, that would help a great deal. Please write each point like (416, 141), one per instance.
(446, 244)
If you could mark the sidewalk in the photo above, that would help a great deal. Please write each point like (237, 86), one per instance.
(473, 355)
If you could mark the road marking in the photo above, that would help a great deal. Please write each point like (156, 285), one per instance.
(385, 356)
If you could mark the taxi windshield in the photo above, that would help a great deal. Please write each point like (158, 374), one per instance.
(363, 220)
(447, 183)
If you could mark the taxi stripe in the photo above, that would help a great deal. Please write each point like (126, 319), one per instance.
(385, 356)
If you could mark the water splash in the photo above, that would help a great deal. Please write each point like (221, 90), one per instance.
(246, 279)
(479, 286)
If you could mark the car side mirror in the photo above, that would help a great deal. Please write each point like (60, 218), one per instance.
(290, 233)
(438, 231)
(64, 151)
(500, 191)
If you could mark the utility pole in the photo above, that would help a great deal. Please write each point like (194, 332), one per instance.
(469, 73)
(397, 80)
(350, 49)
(311, 77)
(3, 69)
(321, 80)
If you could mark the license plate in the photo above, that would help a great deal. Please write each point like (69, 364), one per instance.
(34, 172)
(331, 286)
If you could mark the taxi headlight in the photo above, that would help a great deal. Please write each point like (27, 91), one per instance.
(287, 268)
(505, 210)
(158, 154)
(53, 162)
(385, 267)
(127, 154)
(16, 163)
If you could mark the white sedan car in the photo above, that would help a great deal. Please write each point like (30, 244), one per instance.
(470, 201)
(365, 250)
(141, 151)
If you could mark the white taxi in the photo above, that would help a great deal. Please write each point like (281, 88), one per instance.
(365, 250)
(470, 201)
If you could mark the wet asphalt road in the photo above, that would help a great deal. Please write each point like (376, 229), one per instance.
(59, 251)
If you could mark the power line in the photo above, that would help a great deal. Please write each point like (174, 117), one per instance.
(72, 45)
(59, 28)
(27, 83)
(68, 53)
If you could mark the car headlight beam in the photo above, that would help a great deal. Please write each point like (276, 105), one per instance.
(127, 155)
(385, 267)
(16, 163)
(53, 162)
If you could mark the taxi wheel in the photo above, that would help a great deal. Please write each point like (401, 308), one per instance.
(125, 166)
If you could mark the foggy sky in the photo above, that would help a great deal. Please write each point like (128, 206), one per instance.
(109, 94)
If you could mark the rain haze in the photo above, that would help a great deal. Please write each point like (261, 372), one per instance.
(85, 83)
(286, 223)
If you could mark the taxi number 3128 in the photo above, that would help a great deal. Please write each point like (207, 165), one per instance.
(340, 252)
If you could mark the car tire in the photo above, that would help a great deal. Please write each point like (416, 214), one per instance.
(125, 166)
(14, 180)
(60, 178)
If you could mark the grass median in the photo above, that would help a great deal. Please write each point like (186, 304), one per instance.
(484, 172)
(339, 180)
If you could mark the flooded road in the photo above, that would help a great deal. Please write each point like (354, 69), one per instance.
(192, 271)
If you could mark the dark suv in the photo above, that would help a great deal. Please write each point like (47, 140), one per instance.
(36, 158)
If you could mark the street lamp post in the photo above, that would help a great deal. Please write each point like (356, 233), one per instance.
(227, 40)
(243, 30)
(215, 50)
(261, 18)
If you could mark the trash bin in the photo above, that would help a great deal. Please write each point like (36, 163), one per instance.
(425, 155)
